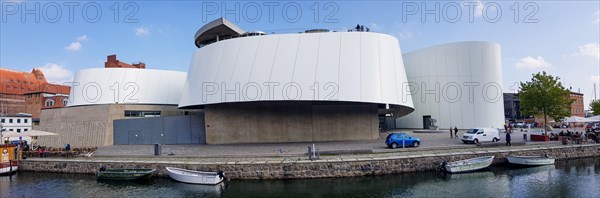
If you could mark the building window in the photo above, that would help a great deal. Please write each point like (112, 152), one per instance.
(49, 102)
(25, 120)
(25, 130)
(10, 129)
(65, 101)
(10, 120)
(142, 113)
(18, 130)
(2, 121)
(18, 120)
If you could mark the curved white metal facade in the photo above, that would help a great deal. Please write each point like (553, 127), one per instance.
(126, 86)
(335, 66)
(458, 84)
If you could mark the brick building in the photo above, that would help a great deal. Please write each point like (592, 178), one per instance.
(13, 84)
(577, 106)
(18, 90)
(46, 96)
(112, 62)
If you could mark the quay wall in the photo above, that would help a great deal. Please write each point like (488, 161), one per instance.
(289, 169)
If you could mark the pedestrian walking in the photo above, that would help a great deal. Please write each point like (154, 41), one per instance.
(451, 133)
(455, 132)
(508, 139)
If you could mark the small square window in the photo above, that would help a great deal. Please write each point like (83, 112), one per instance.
(10, 120)
(18, 130)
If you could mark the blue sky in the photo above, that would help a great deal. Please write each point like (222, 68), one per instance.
(560, 37)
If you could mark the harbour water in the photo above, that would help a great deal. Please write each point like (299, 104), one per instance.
(573, 178)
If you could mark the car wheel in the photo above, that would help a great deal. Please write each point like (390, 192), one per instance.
(464, 142)
(494, 140)
(416, 144)
(476, 141)
(394, 145)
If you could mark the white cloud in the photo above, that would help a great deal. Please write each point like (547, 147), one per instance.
(142, 31)
(82, 38)
(595, 79)
(597, 17)
(530, 62)
(590, 50)
(375, 26)
(56, 73)
(405, 34)
(74, 46)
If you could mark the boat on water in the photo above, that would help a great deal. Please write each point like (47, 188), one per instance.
(531, 160)
(124, 173)
(8, 164)
(195, 177)
(468, 165)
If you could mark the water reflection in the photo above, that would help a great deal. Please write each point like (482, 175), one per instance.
(577, 178)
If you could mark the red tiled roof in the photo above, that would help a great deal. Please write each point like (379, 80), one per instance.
(17, 82)
(51, 88)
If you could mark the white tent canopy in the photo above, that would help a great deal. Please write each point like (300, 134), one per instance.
(32, 133)
(595, 118)
(577, 119)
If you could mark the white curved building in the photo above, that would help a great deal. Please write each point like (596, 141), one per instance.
(457, 84)
(126, 86)
(322, 86)
(361, 67)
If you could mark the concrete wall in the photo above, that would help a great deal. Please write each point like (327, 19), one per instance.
(261, 122)
(292, 169)
(87, 126)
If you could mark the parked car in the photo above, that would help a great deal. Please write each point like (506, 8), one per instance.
(396, 140)
(592, 126)
(477, 135)
(520, 125)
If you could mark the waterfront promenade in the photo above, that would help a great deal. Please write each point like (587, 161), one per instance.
(431, 141)
(341, 159)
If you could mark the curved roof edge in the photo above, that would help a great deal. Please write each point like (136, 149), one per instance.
(220, 27)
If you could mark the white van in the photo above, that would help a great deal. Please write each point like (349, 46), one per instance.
(477, 135)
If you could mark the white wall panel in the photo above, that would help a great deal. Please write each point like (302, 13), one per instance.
(133, 86)
(349, 71)
(283, 65)
(305, 67)
(327, 74)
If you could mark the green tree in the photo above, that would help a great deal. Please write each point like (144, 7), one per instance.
(546, 96)
(595, 106)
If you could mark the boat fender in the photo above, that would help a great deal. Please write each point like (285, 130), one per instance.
(221, 174)
(102, 169)
(443, 166)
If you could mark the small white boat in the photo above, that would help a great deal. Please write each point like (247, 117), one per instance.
(8, 169)
(468, 165)
(531, 160)
(195, 177)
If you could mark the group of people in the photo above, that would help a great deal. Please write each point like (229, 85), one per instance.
(576, 136)
(455, 132)
(360, 28)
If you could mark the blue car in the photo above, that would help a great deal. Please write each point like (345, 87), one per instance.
(396, 140)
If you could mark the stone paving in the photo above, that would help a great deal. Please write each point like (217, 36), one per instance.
(430, 141)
